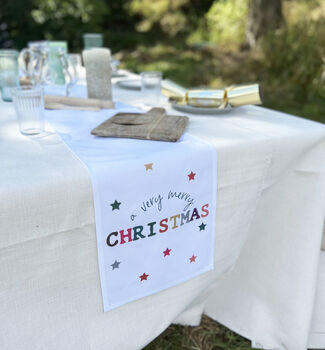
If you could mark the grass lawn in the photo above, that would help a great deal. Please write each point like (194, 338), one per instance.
(217, 67)
(208, 336)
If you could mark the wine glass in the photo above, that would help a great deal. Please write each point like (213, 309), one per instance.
(69, 65)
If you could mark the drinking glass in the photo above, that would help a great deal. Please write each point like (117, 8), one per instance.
(29, 106)
(151, 87)
(56, 48)
(92, 40)
(9, 72)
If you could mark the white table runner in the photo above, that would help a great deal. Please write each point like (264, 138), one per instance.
(154, 206)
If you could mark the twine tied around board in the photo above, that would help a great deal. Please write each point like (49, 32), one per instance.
(154, 126)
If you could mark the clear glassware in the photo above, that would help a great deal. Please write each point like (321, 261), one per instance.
(69, 65)
(151, 87)
(29, 105)
(47, 63)
(41, 64)
(92, 40)
(76, 59)
(114, 64)
(38, 44)
(57, 70)
(34, 62)
(9, 72)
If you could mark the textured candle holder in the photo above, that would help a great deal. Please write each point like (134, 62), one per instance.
(98, 73)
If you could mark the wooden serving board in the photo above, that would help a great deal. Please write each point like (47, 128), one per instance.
(153, 125)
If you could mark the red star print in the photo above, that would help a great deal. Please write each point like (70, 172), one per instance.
(192, 259)
(167, 252)
(191, 176)
(143, 277)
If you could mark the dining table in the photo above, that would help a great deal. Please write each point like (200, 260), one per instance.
(268, 280)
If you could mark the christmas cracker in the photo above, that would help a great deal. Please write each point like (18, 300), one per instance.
(235, 95)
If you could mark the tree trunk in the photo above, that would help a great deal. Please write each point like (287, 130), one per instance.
(263, 16)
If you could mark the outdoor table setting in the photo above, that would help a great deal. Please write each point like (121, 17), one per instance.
(129, 203)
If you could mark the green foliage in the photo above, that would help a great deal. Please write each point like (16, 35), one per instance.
(48, 10)
(171, 17)
(16, 23)
(294, 57)
(166, 13)
(25, 20)
(294, 61)
(180, 65)
(223, 24)
(68, 19)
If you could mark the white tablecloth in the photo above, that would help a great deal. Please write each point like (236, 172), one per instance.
(270, 217)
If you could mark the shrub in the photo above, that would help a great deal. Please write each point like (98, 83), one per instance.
(293, 56)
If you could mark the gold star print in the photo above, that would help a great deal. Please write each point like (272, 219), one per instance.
(148, 166)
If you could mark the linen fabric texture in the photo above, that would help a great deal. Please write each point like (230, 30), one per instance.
(269, 224)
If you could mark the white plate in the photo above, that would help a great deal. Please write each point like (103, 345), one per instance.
(118, 74)
(131, 84)
(200, 110)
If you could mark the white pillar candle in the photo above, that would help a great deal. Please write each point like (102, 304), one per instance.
(98, 73)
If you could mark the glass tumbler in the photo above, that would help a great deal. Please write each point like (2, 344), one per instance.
(9, 72)
(29, 106)
(151, 87)
(92, 40)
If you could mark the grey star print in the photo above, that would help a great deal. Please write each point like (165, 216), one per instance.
(116, 265)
